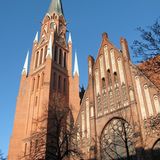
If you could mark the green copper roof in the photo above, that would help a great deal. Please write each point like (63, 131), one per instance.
(56, 6)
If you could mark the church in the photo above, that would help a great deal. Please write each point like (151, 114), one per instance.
(118, 117)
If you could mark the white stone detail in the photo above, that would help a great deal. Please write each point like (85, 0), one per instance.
(70, 38)
(156, 103)
(101, 67)
(88, 118)
(83, 124)
(113, 60)
(97, 82)
(76, 68)
(131, 94)
(148, 100)
(36, 38)
(140, 97)
(121, 71)
(90, 67)
(92, 112)
(49, 50)
(106, 57)
(25, 67)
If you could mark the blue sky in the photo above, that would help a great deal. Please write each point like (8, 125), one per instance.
(87, 20)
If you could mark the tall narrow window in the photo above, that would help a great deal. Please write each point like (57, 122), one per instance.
(54, 80)
(38, 82)
(59, 83)
(25, 149)
(64, 86)
(41, 55)
(42, 81)
(55, 54)
(45, 53)
(37, 57)
(60, 56)
(64, 59)
(33, 83)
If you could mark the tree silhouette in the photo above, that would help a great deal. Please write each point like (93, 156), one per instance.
(149, 45)
(54, 137)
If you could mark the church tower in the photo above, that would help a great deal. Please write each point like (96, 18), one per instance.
(49, 78)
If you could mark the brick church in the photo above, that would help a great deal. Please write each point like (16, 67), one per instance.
(118, 117)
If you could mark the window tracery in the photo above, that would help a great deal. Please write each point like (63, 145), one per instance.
(117, 140)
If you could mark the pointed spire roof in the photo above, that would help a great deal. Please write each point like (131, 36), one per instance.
(49, 50)
(70, 38)
(36, 38)
(76, 68)
(56, 6)
(25, 67)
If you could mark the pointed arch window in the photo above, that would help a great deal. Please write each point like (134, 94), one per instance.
(64, 85)
(60, 56)
(64, 60)
(41, 56)
(37, 57)
(55, 53)
(33, 83)
(45, 53)
(38, 79)
(59, 83)
(54, 80)
(42, 81)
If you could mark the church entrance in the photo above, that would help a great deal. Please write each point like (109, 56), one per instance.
(156, 150)
(117, 141)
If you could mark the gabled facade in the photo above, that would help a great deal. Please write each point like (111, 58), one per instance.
(120, 110)
(49, 77)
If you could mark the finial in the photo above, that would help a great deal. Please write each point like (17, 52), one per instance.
(25, 67)
(49, 50)
(76, 68)
(70, 38)
(36, 38)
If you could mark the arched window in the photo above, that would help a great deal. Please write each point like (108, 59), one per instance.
(25, 149)
(38, 81)
(64, 85)
(33, 83)
(59, 83)
(41, 55)
(42, 79)
(54, 80)
(64, 59)
(60, 56)
(55, 53)
(45, 53)
(37, 58)
(156, 150)
(117, 140)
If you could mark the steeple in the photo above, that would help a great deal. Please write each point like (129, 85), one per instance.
(25, 67)
(76, 68)
(56, 6)
(36, 38)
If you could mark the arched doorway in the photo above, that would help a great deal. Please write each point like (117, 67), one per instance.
(117, 141)
(156, 150)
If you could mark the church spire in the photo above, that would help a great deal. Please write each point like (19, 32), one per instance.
(56, 6)
(76, 68)
(25, 67)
